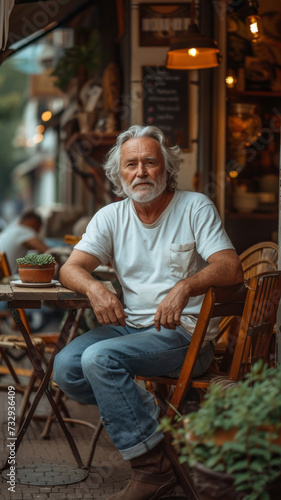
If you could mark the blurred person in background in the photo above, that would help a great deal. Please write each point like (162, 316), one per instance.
(16, 239)
(20, 236)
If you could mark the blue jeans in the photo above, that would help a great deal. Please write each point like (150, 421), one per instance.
(99, 367)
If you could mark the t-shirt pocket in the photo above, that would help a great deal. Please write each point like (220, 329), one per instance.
(182, 259)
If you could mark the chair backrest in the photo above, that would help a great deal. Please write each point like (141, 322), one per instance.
(259, 258)
(257, 323)
(5, 272)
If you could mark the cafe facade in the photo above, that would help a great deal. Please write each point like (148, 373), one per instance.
(104, 68)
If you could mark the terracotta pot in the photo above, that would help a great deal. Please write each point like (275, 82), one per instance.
(212, 485)
(36, 274)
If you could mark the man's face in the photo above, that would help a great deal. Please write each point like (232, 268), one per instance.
(142, 168)
(33, 223)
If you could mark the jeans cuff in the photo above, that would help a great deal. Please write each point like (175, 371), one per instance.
(142, 448)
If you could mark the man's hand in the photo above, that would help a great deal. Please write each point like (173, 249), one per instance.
(169, 311)
(107, 307)
(76, 275)
(224, 269)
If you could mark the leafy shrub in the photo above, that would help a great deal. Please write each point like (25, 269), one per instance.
(252, 408)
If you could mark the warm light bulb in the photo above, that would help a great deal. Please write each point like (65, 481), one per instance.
(255, 27)
(230, 78)
(37, 138)
(230, 81)
(40, 129)
(47, 115)
(192, 52)
(233, 174)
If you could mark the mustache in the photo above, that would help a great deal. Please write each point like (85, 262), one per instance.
(136, 183)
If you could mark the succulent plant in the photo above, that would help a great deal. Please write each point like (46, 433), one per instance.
(34, 259)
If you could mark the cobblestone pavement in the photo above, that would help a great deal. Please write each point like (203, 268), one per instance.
(109, 473)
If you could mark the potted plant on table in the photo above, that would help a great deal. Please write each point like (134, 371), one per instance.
(233, 442)
(36, 268)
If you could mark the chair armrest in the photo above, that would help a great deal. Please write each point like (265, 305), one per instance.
(229, 300)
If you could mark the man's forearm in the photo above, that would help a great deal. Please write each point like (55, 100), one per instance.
(77, 279)
(106, 305)
(215, 274)
(224, 271)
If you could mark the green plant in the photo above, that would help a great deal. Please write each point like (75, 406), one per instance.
(252, 410)
(34, 259)
(85, 55)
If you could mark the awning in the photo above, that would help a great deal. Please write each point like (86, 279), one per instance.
(30, 20)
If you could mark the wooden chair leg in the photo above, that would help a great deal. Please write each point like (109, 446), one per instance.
(10, 367)
(25, 403)
(181, 472)
(45, 434)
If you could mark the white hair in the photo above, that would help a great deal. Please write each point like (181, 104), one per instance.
(171, 154)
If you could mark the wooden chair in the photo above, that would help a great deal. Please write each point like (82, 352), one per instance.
(50, 338)
(251, 342)
(259, 258)
(13, 341)
(42, 342)
(71, 239)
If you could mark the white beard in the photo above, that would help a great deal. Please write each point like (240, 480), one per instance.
(145, 193)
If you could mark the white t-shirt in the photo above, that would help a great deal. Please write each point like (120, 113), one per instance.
(12, 240)
(149, 259)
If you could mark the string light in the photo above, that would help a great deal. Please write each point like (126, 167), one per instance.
(40, 129)
(230, 79)
(46, 116)
(233, 174)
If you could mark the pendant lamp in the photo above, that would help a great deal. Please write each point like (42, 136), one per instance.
(194, 51)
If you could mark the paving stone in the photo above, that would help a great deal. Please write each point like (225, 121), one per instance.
(109, 473)
(15, 496)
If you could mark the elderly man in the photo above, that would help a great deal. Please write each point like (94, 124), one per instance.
(167, 247)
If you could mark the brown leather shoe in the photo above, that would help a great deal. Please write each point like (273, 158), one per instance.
(152, 477)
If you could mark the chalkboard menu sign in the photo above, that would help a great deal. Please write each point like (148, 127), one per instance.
(165, 102)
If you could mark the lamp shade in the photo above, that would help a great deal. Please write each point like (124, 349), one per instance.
(195, 51)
